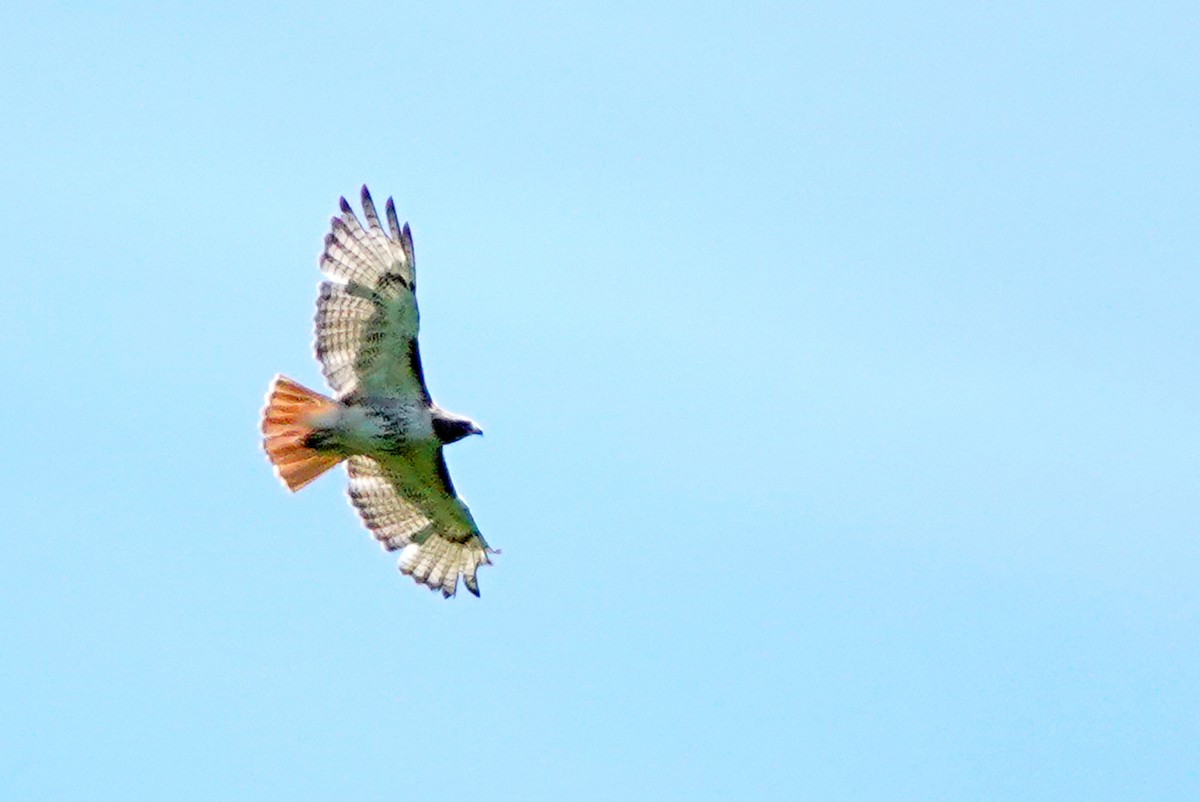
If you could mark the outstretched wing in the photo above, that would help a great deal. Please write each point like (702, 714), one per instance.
(409, 503)
(367, 317)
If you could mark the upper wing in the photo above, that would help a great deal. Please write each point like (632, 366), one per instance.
(367, 319)
(409, 503)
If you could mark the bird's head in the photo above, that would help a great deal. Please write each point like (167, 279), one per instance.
(451, 428)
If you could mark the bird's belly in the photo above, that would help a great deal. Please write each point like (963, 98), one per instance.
(382, 426)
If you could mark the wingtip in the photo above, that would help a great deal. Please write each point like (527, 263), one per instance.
(394, 220)
(344, 206)
(405, 237)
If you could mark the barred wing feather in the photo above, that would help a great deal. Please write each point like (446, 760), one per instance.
(367, 318)
(409, 504)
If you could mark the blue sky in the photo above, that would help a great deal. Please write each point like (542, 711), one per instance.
(838, 364)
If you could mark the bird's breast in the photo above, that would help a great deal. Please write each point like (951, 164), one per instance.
(386, 424)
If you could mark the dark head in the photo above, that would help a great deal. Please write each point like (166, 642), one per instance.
(452, 428)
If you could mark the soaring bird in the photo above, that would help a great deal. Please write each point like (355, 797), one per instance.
(381, 419)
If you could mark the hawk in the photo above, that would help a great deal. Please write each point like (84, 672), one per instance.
(381, 420)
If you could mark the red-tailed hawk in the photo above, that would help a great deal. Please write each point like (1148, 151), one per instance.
(381, 420)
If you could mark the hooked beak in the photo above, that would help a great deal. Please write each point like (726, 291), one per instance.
(476, 430)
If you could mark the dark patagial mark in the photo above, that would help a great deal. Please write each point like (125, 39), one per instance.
(418, 371)
(443, 474)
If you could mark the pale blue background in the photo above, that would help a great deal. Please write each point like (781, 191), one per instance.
(838, 364)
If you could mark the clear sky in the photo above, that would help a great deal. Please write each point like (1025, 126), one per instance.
(839, 365)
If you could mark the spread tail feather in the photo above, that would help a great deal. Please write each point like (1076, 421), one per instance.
(287, 423)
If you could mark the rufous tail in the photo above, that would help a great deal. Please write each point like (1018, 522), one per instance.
(287, 422)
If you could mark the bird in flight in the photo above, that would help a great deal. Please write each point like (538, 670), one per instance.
(381, 419)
